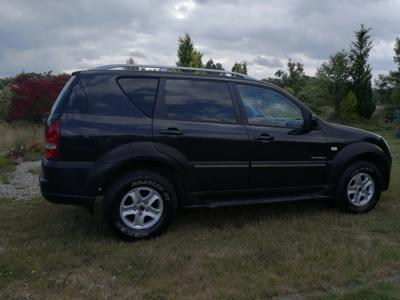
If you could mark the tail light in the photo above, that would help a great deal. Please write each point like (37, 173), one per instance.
(53, 134)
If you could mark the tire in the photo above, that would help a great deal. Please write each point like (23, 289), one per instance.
(140, 204)
(359, 188)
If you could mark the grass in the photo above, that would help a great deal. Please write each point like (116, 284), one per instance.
(250, 252)
(7, 166)
(14, 136)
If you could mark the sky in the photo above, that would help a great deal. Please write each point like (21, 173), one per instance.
(65, 36)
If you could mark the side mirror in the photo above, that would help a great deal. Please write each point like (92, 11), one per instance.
(312, 121)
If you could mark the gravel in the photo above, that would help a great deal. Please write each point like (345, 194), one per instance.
(24, 185)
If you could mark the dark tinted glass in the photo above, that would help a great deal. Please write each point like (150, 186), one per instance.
(268, 107)
(199, 101)
(141, 91)
(77, 100)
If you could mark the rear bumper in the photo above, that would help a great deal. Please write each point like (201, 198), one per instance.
(67, 183)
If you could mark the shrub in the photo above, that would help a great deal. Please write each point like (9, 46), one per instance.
(348, 107)
(33, 95)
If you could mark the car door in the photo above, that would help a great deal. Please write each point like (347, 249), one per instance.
(199, 119)
(284, 156)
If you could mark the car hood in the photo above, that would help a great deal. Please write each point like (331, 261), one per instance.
(351, 133)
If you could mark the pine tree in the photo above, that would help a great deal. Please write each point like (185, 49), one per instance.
(240, 67)
(219, 66)
(210, 64)
(360, 72)
(334, 76)
(196, 59)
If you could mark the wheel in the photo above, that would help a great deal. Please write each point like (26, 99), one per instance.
(140, 204)
(359, 188)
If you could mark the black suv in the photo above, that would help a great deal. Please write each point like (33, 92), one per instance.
(152, 140)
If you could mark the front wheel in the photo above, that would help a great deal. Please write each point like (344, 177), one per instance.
(359, 188)
(139, 205)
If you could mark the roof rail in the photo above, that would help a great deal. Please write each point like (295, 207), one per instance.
(171, 69)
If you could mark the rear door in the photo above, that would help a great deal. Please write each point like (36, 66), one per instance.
(199, 119)
(283, 156)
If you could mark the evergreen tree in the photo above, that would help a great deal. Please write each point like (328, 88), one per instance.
(334, 77)
(387, 84)
(131, 62)
(219, 66)
(210, 64)
(196, 59)
(240, 67)
(348, 107)
(360, 72)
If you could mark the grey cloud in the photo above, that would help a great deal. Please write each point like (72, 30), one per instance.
(136, 53)
(67, 35)
(273, 62)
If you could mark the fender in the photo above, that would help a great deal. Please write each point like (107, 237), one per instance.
(130, 153)
(350, 152)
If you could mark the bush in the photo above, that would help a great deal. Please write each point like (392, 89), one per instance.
(33, 95)
(348, 107)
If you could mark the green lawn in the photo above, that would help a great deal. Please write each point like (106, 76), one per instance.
(49, 251)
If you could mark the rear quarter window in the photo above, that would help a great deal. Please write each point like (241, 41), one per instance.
(141, 91)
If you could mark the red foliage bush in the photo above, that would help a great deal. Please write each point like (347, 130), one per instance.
(34, 94)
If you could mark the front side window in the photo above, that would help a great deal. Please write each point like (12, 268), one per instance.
(198, 100)
(269, 108)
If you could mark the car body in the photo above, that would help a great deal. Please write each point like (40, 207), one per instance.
(219, 140)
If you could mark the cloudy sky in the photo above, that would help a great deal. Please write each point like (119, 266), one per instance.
(64, 36)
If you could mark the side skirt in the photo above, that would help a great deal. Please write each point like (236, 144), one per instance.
(213, 203)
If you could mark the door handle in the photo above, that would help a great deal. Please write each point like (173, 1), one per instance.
(263, 137)
(171, 131)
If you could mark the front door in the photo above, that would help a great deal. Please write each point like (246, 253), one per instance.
(199, 119)
(283, 156)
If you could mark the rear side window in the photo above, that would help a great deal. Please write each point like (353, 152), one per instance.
(96, 96)
(58, 104)
(141, 91)
(198, 100)
(77, 100)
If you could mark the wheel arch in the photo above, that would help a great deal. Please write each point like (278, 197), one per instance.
(133, 156)
(361, 151)
(167, 170)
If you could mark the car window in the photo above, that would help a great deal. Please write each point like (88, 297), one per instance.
(141, 91)
(265, 106)
(77, 100)
(198, 100)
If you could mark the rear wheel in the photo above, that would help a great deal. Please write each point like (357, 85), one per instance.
(140, 204)
(359, 188)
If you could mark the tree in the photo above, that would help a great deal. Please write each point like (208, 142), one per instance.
(196, 60)
(210, 64)
(360, 72)
(314, 95)
(34, 94)
(240, 67)
(131, 61)
(188, 56)
(219, 66)
(334, 78)
(387, 84)
(293, 78)
(5, 96)
(348, 107)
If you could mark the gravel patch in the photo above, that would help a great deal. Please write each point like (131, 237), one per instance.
(24, 185)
